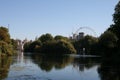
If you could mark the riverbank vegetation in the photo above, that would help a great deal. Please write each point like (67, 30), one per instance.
(110, 40)
(86, 45)
(46, 43)
(6, 43)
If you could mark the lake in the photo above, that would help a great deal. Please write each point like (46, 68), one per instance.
(44, 67)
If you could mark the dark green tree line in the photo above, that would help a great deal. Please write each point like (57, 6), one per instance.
(115, 28)
(46, 43)
(88, 42)
(110, 39)
(6, 44)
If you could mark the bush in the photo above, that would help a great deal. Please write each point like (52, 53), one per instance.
(5, 48)
(108, 40)
(88, 43)
(61, 47)
(32, 46)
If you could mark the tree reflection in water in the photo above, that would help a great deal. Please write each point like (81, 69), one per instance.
(83, 63)
(109, 72)
(4, 66)
(47, 62)
(110, 68)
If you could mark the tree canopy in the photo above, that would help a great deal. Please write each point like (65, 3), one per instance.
(6, 44)
(49, 44)
(108, 40)
(115, 28)
(46, 37)
(87, 42)
(4, 35)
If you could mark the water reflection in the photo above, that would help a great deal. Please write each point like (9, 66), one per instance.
(45, 67)
(20, 57)
(110, 67)
(4, 66)
(111, 72)
(47, 63)
(84, 63)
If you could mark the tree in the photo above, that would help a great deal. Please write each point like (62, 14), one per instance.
(59, 37)
(32, 46)
(14, 44)
(115, 28)
(64, 46)
(58, 47)
(46, 37)
(87, 42)
(108, 40)
(116, 15)
(4, 35)
(5, 48)
(27, 47)
(47, 44)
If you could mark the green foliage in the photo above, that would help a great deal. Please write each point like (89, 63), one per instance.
(14, 44)
(32, 46)
(47, 44)
(107, 44)
(46, 37)
(65, 47)
(6, 44)
(4, 35)
(5, 48)
(59, 37)
(115, 28)
(88, 42)
(27, 47)
(108, 40)
(48, 47)
(61, 47)
(116, 15)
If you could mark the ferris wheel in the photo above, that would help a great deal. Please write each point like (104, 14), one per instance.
(83, 29)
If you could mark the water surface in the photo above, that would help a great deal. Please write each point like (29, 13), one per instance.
(44, 67)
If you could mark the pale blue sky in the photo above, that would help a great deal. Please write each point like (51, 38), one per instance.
(31, 18)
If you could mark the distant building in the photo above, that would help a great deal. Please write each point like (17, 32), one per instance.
(77, 37)
(20, 44)
(74, 36)
(80, 36)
